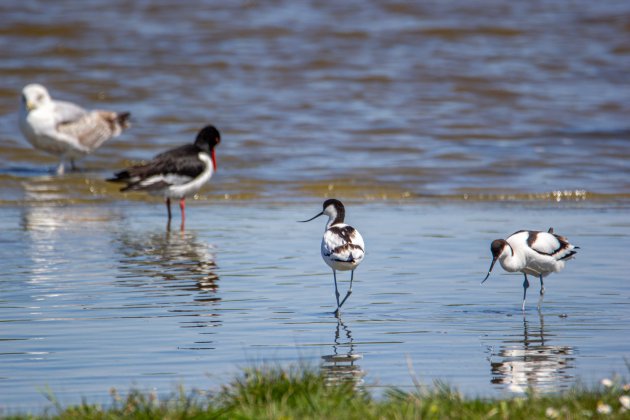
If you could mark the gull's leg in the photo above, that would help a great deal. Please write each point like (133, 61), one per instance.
(542, 292)
(525, 286)
(73, 166)
(349, 290)
(60, 169)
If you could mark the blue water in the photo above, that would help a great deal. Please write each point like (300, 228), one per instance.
(100, 297)
(441, 125)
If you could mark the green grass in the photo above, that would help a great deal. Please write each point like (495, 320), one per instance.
(273, 393)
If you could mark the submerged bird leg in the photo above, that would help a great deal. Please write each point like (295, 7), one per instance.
(349, 290)
(73, 166)
(60, 169)
(168, 208)
(525, 286)
(182, 208)
(542, 292)
(336, 292)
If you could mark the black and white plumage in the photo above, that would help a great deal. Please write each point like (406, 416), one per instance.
(64, 129)
(177, 173)
(342, 246)
(532, 252)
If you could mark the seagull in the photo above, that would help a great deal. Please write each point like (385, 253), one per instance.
(342, 246)
(64, 129)
(176, 173)
(532, 252)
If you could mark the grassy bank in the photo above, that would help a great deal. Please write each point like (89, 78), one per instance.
(303, 394)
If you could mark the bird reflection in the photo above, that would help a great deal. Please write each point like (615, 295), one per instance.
(531, 362)
(174, 256)
(59, 236)
(341, 367)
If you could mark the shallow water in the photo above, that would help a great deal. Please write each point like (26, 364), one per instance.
(105, 296)
(442, 125)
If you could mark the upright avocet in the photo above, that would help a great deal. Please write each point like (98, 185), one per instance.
(342, 246)
(532, 252)
(177, 173)
(64, 129)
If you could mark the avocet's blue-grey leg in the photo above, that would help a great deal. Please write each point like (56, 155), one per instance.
(542, 292)
(525, 286)
(336, 292)
(349, 290)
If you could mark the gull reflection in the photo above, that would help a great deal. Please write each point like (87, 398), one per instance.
(46, 190)
(56, 235)
(531, 362)
(340, 366)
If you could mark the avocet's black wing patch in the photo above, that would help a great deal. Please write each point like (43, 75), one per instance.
(546, 243)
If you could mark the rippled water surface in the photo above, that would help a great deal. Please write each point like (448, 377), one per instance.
(442, 125)
(373, 98)
(95, 297)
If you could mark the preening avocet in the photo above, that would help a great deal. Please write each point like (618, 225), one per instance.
(532, 252)
(64, 129)
(342, 246)
(177, 173)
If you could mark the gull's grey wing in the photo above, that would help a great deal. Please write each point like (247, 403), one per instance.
(93, 128)
(66, 112)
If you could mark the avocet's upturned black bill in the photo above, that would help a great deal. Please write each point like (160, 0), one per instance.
(531, 252)
(312, 218)
(177, 173)
(342, 246)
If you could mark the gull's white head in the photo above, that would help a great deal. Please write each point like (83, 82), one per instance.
(34, 96)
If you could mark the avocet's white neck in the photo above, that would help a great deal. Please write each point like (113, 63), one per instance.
(511, 260)
(335, 216)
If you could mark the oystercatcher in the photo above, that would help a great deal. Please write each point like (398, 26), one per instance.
(177, 173)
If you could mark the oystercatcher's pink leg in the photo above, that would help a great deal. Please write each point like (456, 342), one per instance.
(182, 208)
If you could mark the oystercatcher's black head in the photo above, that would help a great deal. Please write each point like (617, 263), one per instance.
(208, 138)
